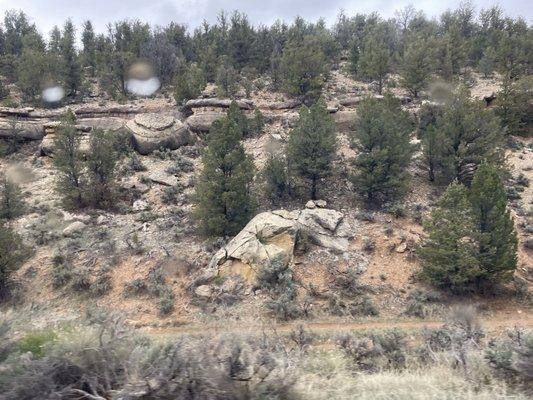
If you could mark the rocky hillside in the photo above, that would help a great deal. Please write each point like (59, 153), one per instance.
(146, 260)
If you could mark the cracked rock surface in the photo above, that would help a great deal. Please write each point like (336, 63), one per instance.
(274, 234)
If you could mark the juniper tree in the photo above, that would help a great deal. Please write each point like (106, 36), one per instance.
(384, 150)
(514, 107)
(71, 67)
(312, 145)
(467, 133)
(497, 239)
(226, 79)
(12, 254)
(88, 40)
(449, 254)
(276, 175)
(303, 68)
(101, 163)
(487, 63)
(416, 68)
(374, 59)
(12, 203)
(236, 114)
(68, 160)
(189, 83)
(223, 201)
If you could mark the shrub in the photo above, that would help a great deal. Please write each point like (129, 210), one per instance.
(61, 275)
(347, 282)
(36, 342)
(135, 163)
(420, 301)
(101, 285)
(284, 307)
(12, 204)
(12, 254)
(276, 177)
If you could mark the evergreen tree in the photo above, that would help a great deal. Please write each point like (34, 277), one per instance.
(276, 175)
(514, 107)
(72, 183)
(374, 60)
(303, 68)
(101, 163)
(449, 255)
(257, 123)
(486, 64)
(467, 133)
(189, 83)
(88, 41)
(71, 68)
(12, 203)
(416, 66)
(236, 114)
(12, 254)
(31, 67)
(496, 235)
(384, 151)
(226, 79)
(224, 204)
(312, 145)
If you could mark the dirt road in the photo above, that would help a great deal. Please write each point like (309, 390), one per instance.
(490, 325)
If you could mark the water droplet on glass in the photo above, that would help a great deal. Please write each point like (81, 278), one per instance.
(142, 80)
(53, 94)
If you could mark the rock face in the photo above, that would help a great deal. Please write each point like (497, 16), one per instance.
(153, 131)
(201, 122)
(217, 103)
(23, 130)
(274, 235)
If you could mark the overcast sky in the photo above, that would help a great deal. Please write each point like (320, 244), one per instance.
(47, 13)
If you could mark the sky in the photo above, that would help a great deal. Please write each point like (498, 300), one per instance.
(47, 13)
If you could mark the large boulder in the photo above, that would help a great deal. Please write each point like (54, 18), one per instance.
(153, 131)
(201, 122)
(274, 235)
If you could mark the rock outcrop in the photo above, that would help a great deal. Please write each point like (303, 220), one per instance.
(274, 235)
(21, 130)
(201, 122)
(216, 103)
(153, 131)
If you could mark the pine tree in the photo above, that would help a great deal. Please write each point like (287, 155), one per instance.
(513, 105)
(487, 63)
(12, 203)
(303, 68)
(88, 41)
(496, 235)
(276, 175)
(467, 133)
(71, 67)
(227, 79)
(449, 255)
(189, 83)
(312, 145)
(12, 254)
(416, 66)
(224, 204)
(101, 163)
(382, 141)
(72, 183)
(374, 60)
